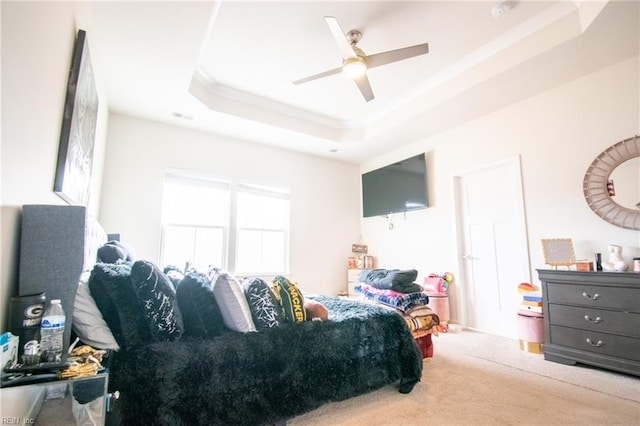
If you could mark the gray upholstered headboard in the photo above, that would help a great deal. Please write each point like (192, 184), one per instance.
(57, 243)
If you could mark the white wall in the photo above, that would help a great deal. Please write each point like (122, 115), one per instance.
(325, 194)
(557, 134)
(37, 45)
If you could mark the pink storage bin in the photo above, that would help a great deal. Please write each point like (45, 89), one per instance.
(531, 333)
(439, 303)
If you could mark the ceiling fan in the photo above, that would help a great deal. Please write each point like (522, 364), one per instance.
(355, 62)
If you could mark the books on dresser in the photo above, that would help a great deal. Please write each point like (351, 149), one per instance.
(531, 302)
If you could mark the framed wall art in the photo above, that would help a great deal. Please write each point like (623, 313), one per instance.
(558, 252)
(77, 136)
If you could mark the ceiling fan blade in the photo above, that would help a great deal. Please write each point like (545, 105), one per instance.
(341, 39)
(365, 87)
(317, 76)
(384, 58)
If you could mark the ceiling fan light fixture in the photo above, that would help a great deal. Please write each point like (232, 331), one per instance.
(354, 67)
(500, 9)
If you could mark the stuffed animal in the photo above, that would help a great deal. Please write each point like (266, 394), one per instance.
(315, 311)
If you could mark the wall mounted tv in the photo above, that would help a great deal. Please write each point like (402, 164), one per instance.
(396, 188)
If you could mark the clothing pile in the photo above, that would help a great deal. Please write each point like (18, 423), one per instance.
(402, 281)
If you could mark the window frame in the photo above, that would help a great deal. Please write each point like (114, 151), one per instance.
(279, 193)
(231, 230)
(200, 180)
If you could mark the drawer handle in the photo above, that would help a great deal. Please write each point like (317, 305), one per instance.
(112, 397)
(593, 321)
(595, 296)
(598, 344)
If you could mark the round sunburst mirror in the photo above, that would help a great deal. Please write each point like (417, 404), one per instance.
(600, 189)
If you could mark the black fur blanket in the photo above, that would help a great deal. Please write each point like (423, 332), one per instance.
(268, 376)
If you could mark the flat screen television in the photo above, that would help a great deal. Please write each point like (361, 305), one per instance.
(396, 188)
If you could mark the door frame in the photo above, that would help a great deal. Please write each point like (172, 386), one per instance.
(463, 286)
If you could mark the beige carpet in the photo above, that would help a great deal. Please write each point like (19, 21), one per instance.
(479, 379)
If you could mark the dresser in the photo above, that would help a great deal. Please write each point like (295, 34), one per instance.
(352, 281)
(592, 318)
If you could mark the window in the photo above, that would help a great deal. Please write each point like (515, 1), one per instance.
(243, 228)
(262, 230)
(195, 221)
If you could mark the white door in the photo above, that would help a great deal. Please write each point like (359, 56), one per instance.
(495, 258)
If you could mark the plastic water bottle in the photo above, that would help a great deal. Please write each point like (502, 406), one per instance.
(52, 332)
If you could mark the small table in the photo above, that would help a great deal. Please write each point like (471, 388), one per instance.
(63, 401)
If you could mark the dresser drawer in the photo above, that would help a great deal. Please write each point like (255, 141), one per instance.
(619, 298)
(601, 320)
(352, 275)
(599, 343)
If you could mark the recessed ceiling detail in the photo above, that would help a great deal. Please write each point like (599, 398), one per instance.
(230, 64)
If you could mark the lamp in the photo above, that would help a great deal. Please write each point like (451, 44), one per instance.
(354, 67)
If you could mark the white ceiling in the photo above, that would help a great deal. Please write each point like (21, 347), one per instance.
(227, 67)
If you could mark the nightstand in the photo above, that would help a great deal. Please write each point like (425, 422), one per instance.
(87, 397)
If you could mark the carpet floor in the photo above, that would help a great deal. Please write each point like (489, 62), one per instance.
(480, 379)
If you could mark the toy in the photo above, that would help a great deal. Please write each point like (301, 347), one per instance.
(526, 288)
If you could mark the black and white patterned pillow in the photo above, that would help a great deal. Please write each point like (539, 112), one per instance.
(110, 286)
(158, 298)
(200, 312)
(265, 307)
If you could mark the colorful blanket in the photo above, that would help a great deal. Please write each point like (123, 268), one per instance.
(421, 318)
(400, 301)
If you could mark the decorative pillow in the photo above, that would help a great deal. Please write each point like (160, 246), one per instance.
(200, 312)
(174, 274)
(232, 302)
(88, 322)
(158, 298)
(316, 310)
(114, 251)
(290, 298)
(110, 286)
(265, 307)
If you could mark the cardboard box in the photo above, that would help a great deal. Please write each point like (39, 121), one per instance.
(8, 350)
(584, 266)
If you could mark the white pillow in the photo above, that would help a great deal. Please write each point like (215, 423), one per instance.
(88, 322)
(232, 302)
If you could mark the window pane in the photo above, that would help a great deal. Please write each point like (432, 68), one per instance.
(261, 251)
(209, 248)
(262, 211)
(178, 246)
(199, 246)
(194, 204)
(249, 251)
(273, 252)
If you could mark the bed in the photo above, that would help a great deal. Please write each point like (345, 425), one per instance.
(257, 377)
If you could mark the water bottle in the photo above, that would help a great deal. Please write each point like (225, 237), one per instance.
(52, 332)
